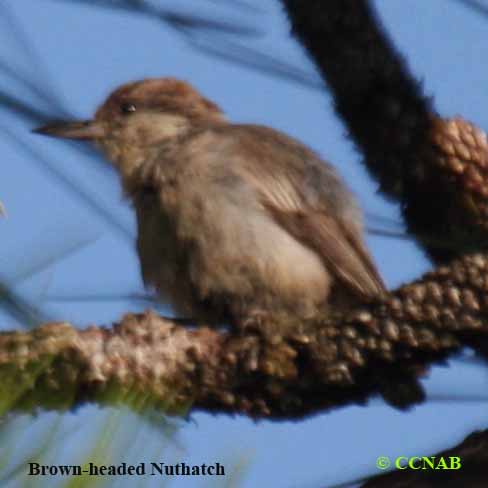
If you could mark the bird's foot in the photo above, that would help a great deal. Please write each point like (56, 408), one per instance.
(253, 321)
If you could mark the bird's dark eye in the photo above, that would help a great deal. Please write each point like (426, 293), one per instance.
(128, 108)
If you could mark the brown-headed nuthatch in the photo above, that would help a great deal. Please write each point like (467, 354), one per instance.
(233, 219)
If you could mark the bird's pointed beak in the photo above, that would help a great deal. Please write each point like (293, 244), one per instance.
(84, 129)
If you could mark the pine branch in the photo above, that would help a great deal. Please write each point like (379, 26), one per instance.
(278, 368)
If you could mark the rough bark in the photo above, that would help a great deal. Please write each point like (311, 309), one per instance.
(263, 372)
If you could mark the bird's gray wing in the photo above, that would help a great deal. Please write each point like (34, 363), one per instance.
(342, 251)
(318, 222)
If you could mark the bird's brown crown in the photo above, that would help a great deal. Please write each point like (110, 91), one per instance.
(168, 95)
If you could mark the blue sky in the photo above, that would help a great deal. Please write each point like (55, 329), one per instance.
(81, 54)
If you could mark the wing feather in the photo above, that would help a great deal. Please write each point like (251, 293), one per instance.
(342, 252)
(306, 197)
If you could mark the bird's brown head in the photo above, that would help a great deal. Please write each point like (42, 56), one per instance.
(139, 115)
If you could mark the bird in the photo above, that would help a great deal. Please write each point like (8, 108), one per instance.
(233, 220)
